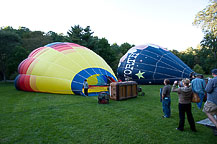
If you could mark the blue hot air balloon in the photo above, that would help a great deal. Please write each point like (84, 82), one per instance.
(151, 64)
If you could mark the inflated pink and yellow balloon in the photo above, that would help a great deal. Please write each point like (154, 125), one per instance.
(62, 68)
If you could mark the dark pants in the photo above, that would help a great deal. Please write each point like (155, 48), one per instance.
(166, 106)
(86, 91)
(185, 108)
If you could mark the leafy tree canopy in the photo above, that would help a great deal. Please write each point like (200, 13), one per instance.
(198, 69)
(8, 42)
(207, 18)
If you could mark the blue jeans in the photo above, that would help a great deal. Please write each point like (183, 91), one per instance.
(166, 106)
(199, 105)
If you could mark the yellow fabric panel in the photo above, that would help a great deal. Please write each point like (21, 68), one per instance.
(97, 89)
(81, 59)
(76, 61)
(57, 57)
(96, 61)
(53, 85)
(86, 58)
(33, 83)
(93, 80)
(44, 68)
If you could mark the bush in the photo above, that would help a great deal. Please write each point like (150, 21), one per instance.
(198, 69)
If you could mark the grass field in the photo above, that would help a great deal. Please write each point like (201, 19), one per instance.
(28, 117)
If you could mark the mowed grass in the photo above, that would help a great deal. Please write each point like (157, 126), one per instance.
(28, 117)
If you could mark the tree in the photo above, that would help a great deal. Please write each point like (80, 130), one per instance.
(210, 41)
(125, 47)
(56, 37)
(117, 54)
(105, 51)
(207, 61)
(87, 39)
(8, 42)
(35, 39)
(198, 69)
(75, 34)
(207, 18)
(82, 36)
(17, 56)
(23, 32)
(188, 57)
(175, 52)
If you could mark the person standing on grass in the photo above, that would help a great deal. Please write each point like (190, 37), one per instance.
(210, 107)
(85, 86)
(198, 86)
(166, 101)
(185, 96)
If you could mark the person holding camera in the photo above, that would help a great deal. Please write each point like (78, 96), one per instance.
(185, 96)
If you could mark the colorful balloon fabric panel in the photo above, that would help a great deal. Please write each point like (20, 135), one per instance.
(62, 68)
(151, 64)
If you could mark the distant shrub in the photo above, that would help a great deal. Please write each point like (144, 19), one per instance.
(198, 69)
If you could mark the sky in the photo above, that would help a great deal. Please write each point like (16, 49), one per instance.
(167, 23)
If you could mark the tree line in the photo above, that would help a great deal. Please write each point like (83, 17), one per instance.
(16, 44)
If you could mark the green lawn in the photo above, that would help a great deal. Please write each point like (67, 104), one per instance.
(28, 117)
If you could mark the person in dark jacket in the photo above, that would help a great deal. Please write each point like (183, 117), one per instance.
(166, 102)
(185, 96)
(210, 107)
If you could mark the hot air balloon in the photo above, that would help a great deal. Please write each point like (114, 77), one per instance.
(151, 64)
(62, 67)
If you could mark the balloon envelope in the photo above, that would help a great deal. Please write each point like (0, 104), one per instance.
(151, 64)
(62, 68)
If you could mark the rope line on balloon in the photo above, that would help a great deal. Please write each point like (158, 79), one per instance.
(184, 68)
(174, 68)
(82, 56)
(171, 60)
(62, 66)
(96, 62)
(46, 61)
(70, 60)
(80, 67)
(104, 63)
(156, 65)
(92, 57)
(136, 63)
(183, 72)
(152, 71)
(177, 62)
(172, 76)
(153, 57)
(83, 59)
(78, 64)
